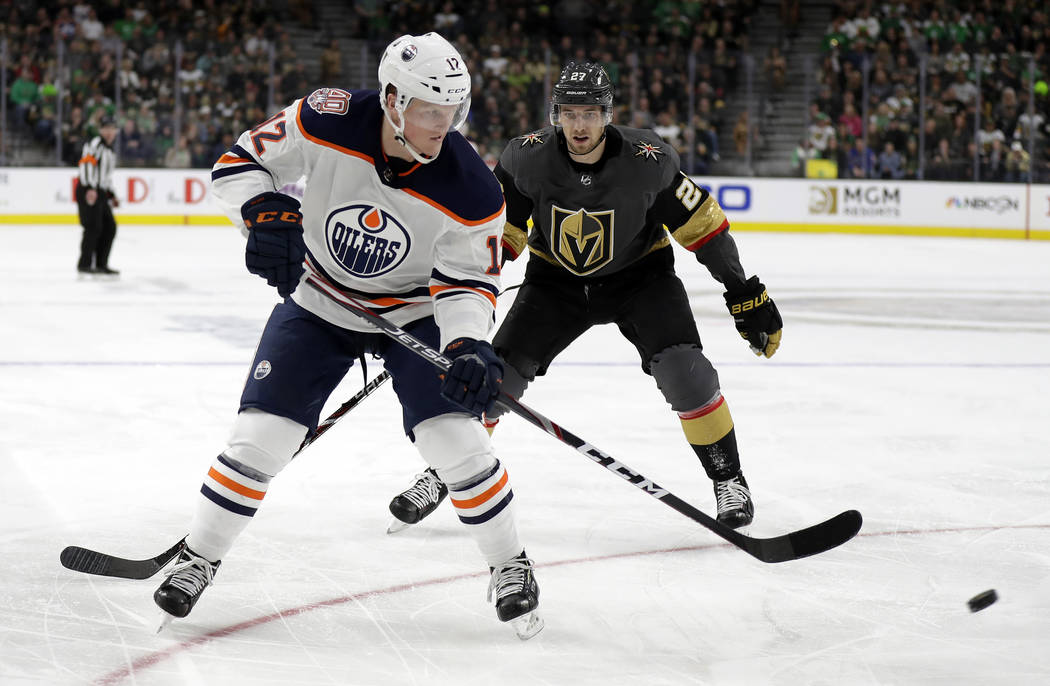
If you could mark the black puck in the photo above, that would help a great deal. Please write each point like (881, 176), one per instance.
(982, 600)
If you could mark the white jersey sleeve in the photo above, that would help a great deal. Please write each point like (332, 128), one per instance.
(264, 158)
(465, 281)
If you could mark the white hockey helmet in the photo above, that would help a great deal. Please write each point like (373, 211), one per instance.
(429, 68)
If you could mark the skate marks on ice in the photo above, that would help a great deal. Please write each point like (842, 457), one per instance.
(927, 600)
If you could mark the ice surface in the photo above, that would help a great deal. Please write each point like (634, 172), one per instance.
(911, 384)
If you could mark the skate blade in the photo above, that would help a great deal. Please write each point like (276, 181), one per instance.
(527, 626)
(165, 620)
(397, 525)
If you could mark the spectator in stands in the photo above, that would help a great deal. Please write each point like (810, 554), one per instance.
(775, 68)
(820, 132)
(802, 152)
(130, 146)
(860, 160)
(332, 64)
(852, 121)
(911, 159)
(890, 163)
(668, 129)
(989, 134)
(1017, 165)
(24, 94)
(992, 161)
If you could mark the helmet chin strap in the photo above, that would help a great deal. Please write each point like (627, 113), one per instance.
(399, 136)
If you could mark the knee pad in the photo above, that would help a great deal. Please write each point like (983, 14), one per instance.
(685, 376)
(263, 443)
(514, 385)
(455, 445)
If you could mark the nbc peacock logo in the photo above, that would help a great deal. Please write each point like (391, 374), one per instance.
(366, 240)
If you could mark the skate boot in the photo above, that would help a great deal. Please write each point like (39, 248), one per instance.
(184, 585)
(517, 595)
(735, 508)
(421, 498)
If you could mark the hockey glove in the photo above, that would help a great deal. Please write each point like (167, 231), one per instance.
(275, 248)
(112, 197)
(756, 316)
(474, 379)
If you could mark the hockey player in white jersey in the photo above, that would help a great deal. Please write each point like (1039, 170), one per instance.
(401, 213)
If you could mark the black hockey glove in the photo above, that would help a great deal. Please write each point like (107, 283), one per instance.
(756, 316)
(474, 379)
(275, 248)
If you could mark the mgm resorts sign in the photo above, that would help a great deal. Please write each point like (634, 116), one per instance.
(855, 201)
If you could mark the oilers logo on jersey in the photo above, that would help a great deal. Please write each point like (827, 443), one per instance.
(366, 240)
(582, 240)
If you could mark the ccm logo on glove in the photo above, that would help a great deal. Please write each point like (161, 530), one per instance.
(275, 248)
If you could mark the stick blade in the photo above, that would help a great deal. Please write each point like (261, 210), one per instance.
(810, 541)
(88, 561)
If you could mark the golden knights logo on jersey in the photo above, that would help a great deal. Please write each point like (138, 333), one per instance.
(581, 240)
(366, 240)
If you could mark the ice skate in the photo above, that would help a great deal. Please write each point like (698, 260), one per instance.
(184, 585)
(735, 508)
(107, 274)
(421, 498)
(517, 595)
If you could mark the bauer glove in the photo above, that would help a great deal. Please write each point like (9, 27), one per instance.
(275, 248)
(756, 317)
(474, 379)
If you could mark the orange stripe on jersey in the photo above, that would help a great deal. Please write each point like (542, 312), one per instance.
(234, 486)
(327, 144)
(232, 159)
(484, 497)
(90, 159)
(434, 290)
(445, 210)
(705, 410)
(381, 302)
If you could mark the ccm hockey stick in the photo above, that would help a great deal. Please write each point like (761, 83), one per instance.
(791, 546)
(92, 562)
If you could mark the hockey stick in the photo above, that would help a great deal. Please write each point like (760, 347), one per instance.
(350, 404)
(791, 546)
(92, 562)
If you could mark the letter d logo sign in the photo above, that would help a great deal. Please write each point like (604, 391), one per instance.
(138, 189)
(195, 191)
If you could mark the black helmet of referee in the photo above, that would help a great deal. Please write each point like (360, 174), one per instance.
(582, 84)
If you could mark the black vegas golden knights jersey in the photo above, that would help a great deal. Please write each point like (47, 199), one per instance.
(594, 220)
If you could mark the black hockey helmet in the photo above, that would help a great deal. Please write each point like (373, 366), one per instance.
(582, 84)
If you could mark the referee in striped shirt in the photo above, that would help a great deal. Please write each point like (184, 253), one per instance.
(94, 197)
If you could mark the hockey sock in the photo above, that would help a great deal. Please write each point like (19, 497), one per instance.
(483, 503)
(709, 430)
(230, 496)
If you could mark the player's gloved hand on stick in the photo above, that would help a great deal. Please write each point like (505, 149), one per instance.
(275, 248)
(475, 377)
(756, 317)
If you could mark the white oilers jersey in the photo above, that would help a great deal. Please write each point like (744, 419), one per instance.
(409, 241)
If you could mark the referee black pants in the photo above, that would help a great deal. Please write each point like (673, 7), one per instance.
(100, 228)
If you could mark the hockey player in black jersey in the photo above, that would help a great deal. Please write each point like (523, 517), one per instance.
(602, 199)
